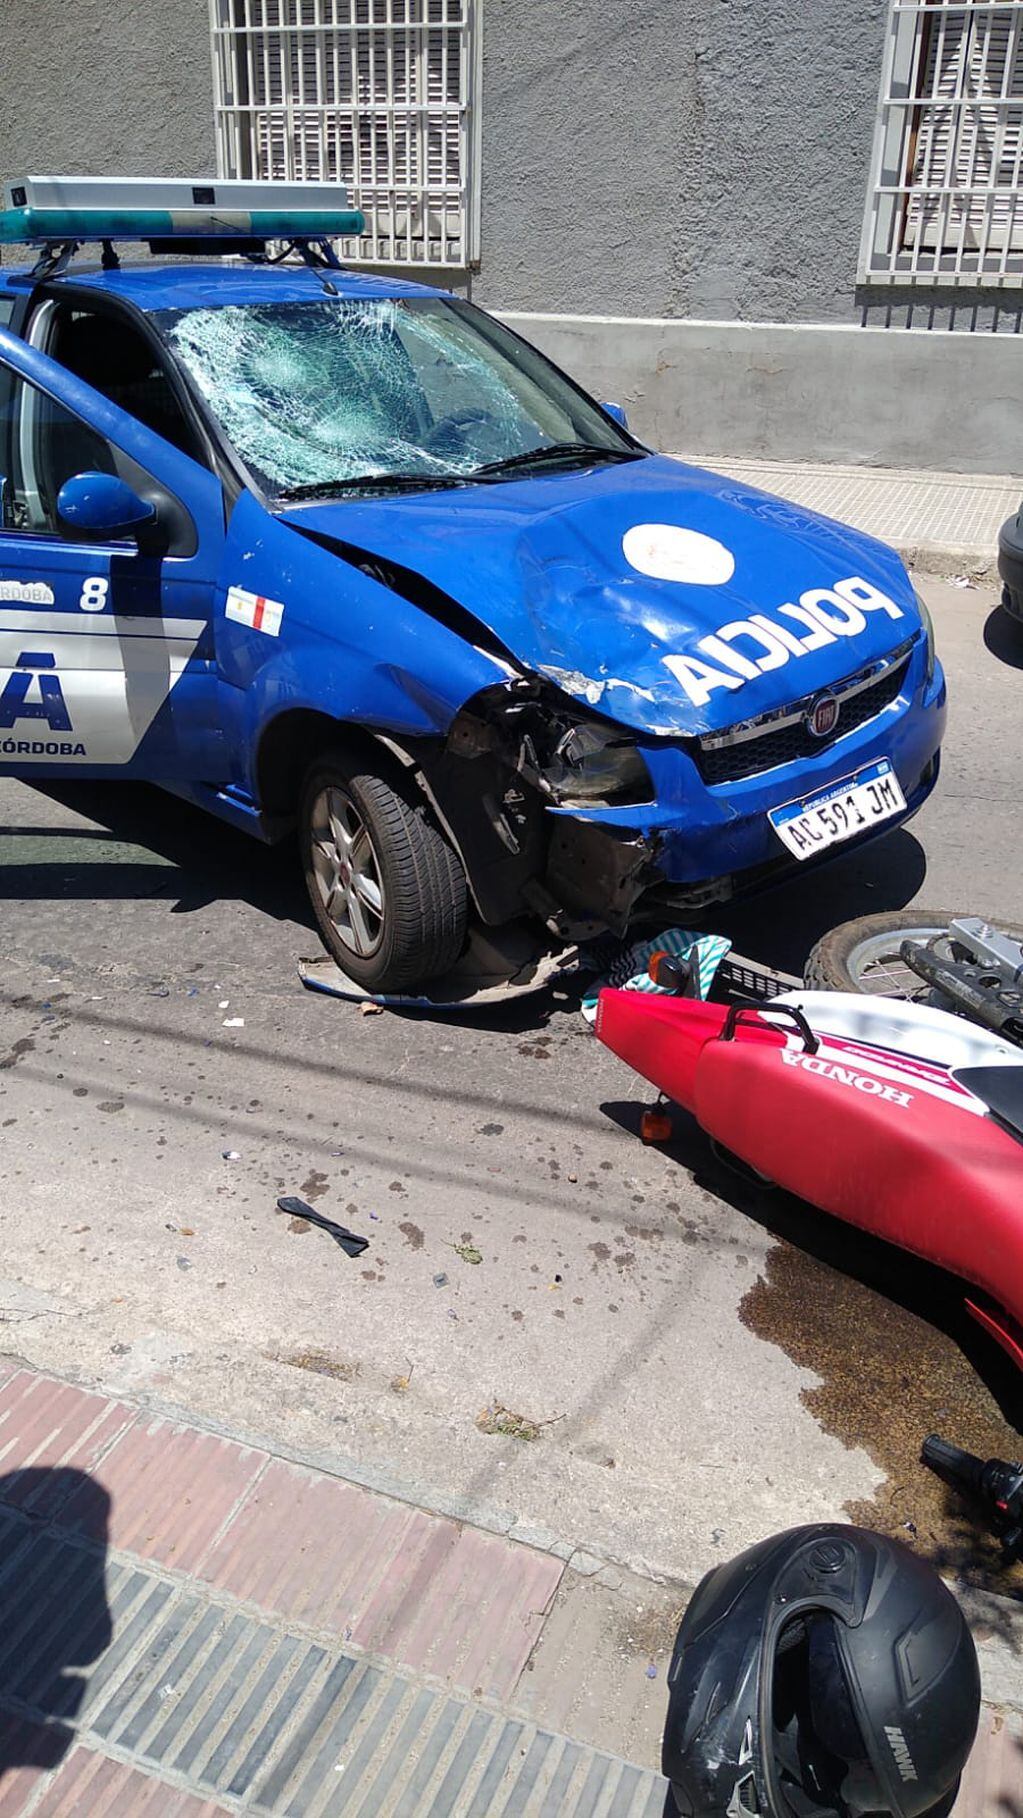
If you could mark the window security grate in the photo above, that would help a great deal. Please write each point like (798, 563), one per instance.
(945, 203)
(378, 94)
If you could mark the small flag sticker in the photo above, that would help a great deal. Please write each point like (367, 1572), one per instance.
(253, 609)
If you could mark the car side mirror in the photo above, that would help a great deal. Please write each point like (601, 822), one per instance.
(616, 411)
(102, 505)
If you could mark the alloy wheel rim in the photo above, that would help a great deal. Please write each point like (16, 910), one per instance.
(347, 872)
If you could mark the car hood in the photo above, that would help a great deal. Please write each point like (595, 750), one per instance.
(585, 578)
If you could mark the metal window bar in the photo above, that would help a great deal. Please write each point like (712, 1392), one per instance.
(382, 95)
(944, 204)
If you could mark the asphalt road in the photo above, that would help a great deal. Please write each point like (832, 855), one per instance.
(700, 1361)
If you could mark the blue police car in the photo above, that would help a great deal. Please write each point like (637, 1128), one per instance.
(341, 552)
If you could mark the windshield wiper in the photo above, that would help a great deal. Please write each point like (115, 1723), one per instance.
(585, 452)
(369, 482)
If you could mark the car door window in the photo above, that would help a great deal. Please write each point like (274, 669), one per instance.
(113, 356)
(6, 310)
(42, 445)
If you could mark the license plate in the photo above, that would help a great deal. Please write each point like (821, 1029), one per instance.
(839, 812)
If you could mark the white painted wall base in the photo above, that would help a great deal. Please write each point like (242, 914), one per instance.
(884, 397)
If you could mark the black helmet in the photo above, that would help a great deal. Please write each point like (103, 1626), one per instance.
(826, 1673)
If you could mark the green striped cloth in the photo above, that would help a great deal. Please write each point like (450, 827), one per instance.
(629, 970)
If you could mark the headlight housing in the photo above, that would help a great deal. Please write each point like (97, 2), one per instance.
(592, 762)
(928, 625)
(575, 758)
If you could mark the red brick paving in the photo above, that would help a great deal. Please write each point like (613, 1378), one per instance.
(26, 1751)
(93, 1786)
(304, 1544)
(172, 1490)
(993, 1782)
(423, 1591)
(45, 1425)
(463, 1605)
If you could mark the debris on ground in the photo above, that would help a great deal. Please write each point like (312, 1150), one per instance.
(496, 1418)
(349, 1241)
(321, 1363)
(440, 1281)
(371, 1008)
(468, 1253)
(400, 1384)
(234, 1022)
(656, 1127)
(230, 1155)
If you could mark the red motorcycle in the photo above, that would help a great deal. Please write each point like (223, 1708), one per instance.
(898, 1117)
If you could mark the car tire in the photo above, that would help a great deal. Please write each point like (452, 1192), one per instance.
(388, 893)
(857, 955)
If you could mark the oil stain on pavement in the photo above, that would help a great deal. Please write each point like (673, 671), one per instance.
(889, 1377)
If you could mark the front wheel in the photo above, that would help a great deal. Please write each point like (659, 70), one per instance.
(388, 893)
(863, 955)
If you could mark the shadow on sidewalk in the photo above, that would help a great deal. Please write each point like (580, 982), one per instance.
(54, 1616)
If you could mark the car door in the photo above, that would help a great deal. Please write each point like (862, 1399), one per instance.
(106, 643)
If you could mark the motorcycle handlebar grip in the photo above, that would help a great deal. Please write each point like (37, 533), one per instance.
(951, 1461)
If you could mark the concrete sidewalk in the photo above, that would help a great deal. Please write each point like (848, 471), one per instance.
(941, 523)
(190, 1625)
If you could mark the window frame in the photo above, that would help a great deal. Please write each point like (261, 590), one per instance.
(976, 248)
(429, 221)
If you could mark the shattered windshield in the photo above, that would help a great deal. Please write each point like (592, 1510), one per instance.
(333, 394)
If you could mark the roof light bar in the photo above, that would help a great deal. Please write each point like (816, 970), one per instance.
(43, 210)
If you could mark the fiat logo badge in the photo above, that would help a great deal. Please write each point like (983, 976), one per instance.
(822, 717)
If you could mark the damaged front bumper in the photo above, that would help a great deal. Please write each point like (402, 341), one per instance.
(506, 785)
(513, 785)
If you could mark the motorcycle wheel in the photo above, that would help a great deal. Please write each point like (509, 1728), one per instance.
(863, 955)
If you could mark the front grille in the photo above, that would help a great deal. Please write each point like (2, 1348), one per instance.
(788, 743)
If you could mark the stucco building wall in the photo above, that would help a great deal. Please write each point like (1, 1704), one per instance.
(105, 87)
(686, 159)
(690, 166)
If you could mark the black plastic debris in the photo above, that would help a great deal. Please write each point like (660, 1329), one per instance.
(349, 1241)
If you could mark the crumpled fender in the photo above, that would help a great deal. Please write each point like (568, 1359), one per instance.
(334, 641)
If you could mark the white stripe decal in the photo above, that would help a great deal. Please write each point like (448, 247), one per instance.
(109, 625)
(932, 1071)
(942, 1086)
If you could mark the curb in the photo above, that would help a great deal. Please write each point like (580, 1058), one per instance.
(504, 1523)
(945, 561)
(996, 1618)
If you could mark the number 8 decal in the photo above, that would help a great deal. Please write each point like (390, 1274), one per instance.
(94, 593)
